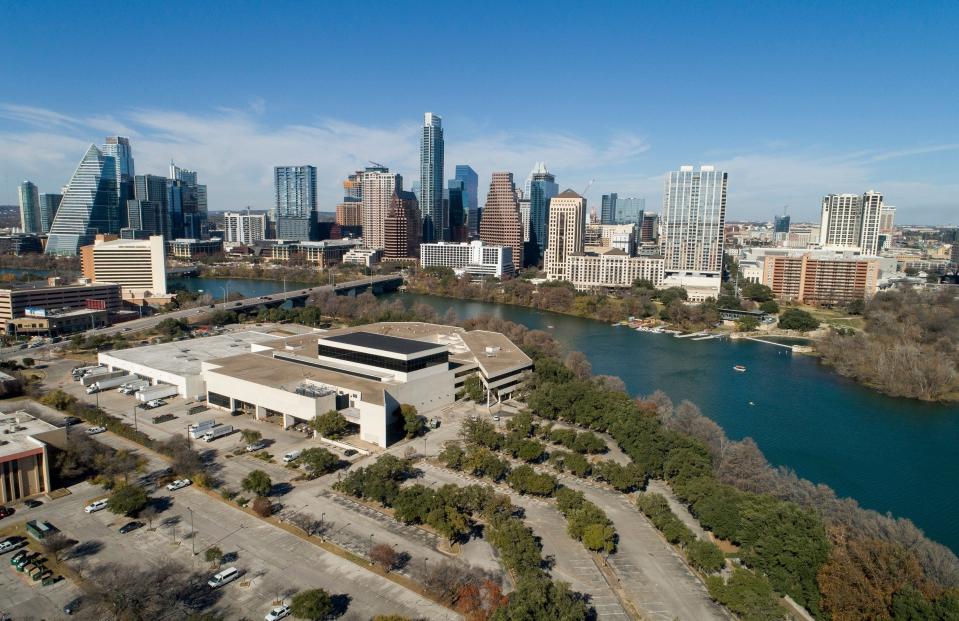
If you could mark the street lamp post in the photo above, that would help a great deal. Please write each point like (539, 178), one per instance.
(135, 428)
(192, 531)
(370, 553)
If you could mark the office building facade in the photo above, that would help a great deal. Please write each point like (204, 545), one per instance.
(630, 210)
(781, 224)
(567, 232)
(294, 208)
(29, 208)
(851, 221)
(435, 219)
(120, 150)
(89, 205)
(455, 205)
(402, 228)
(607, 212)
(138, 266)
(349, 214)
(542, 188)
(475, 258)
(823, 281)
(244, 228)
(501, 224)
(466, 174)
(16, 299)
(379, 185)
(49, 204)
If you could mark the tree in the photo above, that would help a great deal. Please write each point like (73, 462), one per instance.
(145, 591)
(644, 284)
(384, 557)
(251, 435)
(28, 362)
(747, 594)
(706, 556)
(413, 423)
(56, 543)
(213, 554)
(127, 500)
(331, 425)
(314, 604)
(473, 386)
(257, 482)
(769, 306)
(149, 514)
(797, 319)
(319, 461)
(757, 292)
(746, 323)
(579, 365)
(599, 538)
(262, 506)
(173, 328)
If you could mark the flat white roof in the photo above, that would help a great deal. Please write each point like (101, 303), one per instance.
(185, 357)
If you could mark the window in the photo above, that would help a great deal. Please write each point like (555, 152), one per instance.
(217, 399)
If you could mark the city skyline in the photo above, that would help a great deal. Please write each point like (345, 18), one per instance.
(235, 129)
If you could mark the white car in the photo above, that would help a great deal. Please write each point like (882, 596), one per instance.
(155, 403)
(178, 484)
(277, 613)
(95, 430)
(12, 544)
(256, 446)
(95, 506)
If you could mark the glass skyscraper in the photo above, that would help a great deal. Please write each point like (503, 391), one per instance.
(607, 214)
(29, 208)
(120, 150)
(436, 224)
(89, 205)
(694, 214)
(630, 211)
(470, 179)
(542, 188)
(294, 210)
(49, 203)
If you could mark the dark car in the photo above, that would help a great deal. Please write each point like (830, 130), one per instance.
(130, 527)
(72, 606)
(72, 420)
(33, 504)
(349, 452)
(5, 511)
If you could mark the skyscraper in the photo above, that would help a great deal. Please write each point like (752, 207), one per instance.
(567, 230)
(379, 184)
(89, 205)
(607, 214)
(402, 227)
(470, 179)
(630, 210)
(851, 221)
(455, 199)
(49, 203)
(294, 209)
(120, 150)
(887, 220)
(353, 188)
(244, 228)
(186, 203)
(435, 219)
(149, 210)
(694, 214)
(542, 187)
(501, 222)
(29, 208)
(781, 224)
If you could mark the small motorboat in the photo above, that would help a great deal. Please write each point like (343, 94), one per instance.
(751, 403)
(739, 368)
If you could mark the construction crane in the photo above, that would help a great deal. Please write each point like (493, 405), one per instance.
(376, 164)
(588, 186)
(592, 212)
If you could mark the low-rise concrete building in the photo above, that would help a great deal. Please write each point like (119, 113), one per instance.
(57, 322)
(612, 269)
(474, 258)
(26, 447)
(15, 299)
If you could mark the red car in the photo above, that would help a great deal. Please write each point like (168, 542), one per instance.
(4, 512)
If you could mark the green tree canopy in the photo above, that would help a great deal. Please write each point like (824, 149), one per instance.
(127, 500)
(797, 319)
(314, 604)
(331, 425)
(257, 482)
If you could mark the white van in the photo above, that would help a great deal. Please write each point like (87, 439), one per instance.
(291, 456)
(227, 575)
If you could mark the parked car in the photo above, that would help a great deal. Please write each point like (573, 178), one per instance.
(71, 420)
(256, 446)
(154, 404)
(33, 503)
(95, 430)
(12, 544)
(349, 452)
(178, 484)
(277, 612)
(5, 511)
(72, 606)
(223, 577)
(129, 527)
(97, 505)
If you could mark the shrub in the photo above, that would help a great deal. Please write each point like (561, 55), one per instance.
(257, 482)
(746, 594)
(314, 605)
(525, 480)
(127, 500)
(262, 507)
(655, 507)
(797, 319)
(706, 556)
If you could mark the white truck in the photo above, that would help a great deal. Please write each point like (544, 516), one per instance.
(201, 428)
(107, 384)
(217, 432)
(79, 372)
(96, 376)
(159, 391)
(131, 387)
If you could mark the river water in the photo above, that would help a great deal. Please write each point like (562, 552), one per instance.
(893, 455)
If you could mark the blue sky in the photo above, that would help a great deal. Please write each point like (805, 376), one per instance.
(795, 100)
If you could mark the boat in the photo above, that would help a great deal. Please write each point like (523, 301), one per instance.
(751, 403)
(740, 368)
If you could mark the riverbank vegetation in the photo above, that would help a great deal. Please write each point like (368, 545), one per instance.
(908, 348)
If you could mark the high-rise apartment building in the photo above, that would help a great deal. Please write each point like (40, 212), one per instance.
(501, 224)
(379, 184)
(542, 188)
(49, 204)
(824, 281)
(120, 150)
(607, 212)
(851, 221)
(887, 220)
(470, 179)
(294, 208)
(89, 205)
(435, 219)
(244, 228)
(349, 214)
(29, 208)
(353, 188)
(693, 217)
(567, 232)
(402, 227)
(649, 230)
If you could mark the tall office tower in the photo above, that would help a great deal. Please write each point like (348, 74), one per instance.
(294, 207)
(466, 174)
(851, 221)
(887, 219)
(187, 204)
(781, 224)
(138, 266)
(456, 207)
(29, 208)
(120, 150)
(402, 227)
(567, 231)
(435, 220)
(89, 205)
(542, 188)
(501, 222)
(244, 228)
(148, 211)
(694, 214)
(379, 184)
(49, 203)
(630, 211)
(349, 214)
(649, 230)
(607, 213)
(353, 188)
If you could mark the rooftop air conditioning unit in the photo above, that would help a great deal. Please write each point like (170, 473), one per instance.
(492, 351)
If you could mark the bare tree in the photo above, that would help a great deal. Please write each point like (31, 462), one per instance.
(56, 543)
(384, 556)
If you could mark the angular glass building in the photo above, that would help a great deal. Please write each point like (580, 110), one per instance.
(542, 188)
(49, 203)
(29, 208)
(89, 206)
(466, 174)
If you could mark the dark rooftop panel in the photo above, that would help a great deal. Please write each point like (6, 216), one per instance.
(393, 344)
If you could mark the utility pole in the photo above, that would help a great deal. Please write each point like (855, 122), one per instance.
(192, 531)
